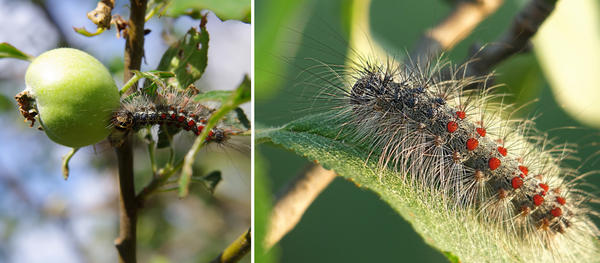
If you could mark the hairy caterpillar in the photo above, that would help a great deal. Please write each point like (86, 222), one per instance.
(170, 108)
(426, 124)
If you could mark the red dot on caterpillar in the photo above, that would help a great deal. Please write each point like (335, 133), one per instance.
(173, 116)
(561, 200)
(481, 131)
(538, 200)
(494, 163)
(181, 118)
(461, 114)
(556, 212)
(191, 123)
(502, 150)
(472, 144)
(544, 186)
(516, 183)
(524, 169)
(452, 126)
(163, 116)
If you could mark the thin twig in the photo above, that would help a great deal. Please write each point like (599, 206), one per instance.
(525, 24)
(161, 178)
(134, 51)
(236, 250)
(467, 14)
(294, 201)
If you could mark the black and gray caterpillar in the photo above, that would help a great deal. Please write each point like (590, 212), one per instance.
(440, 136)
(169, 108)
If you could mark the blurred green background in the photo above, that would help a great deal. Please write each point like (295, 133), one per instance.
(345, 223)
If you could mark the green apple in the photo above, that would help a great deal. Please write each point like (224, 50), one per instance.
(75, 96)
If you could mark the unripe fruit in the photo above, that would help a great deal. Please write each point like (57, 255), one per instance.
(75, 96)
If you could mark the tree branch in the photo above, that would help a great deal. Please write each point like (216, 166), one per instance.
(516, 39)
(295, 199)
(126, 242)
(134, 51)
(134, 41)
(466, 15)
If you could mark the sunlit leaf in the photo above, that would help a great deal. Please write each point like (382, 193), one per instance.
(187, 58)
(224, 9)
(9, 51)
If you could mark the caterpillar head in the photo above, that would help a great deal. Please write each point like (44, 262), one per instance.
(122, 120)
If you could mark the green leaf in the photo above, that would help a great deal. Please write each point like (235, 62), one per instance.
(9, 51)
(459, 234)
(187, 58)
(451, 257)
(214, 95)
(156, 7)
(242, 118)
(82, 31)
(210, 181)
(224, 9)
(237, 119)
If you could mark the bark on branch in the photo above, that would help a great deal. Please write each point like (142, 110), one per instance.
(514, 40)
(294, 201)
(467, 14)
